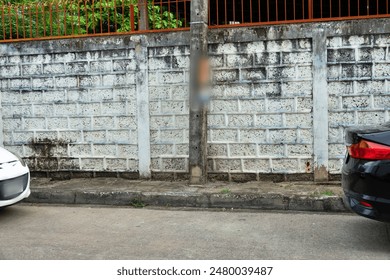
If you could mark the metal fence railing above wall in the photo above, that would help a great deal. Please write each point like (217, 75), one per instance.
(256, 12)
(73, 18)
(70, 18)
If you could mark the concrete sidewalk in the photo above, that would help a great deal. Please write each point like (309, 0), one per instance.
(300, 196)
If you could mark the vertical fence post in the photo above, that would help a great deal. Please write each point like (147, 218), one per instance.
(144, 19)
(198, 110)
(143, 115)
(320, 106)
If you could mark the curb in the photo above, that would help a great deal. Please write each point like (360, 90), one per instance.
(190, 199)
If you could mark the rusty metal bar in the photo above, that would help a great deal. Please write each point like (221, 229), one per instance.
(65, 18)
(154, 15)
(377, 7)
(217, 12)
(58, 19)
(44, 19)
(349, 7)
(234, 10)
(132, 17)
(30, 20)
(2, 20)
(78, 15)
(108, 18)
(161, 10)
(16, 22)
(267, 10)
(10, 21)
(185, 13)
(23, 23)
(50, 19)
(115, 21)
(339, 8)
(93, 16)
(242, 11)
(177, 12)
(169, 13)
(36, 20)
(139, 21)
(285, 9)
(86, 16)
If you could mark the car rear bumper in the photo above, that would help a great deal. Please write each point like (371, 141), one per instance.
(379, 210)
(14, 190)
(366, 187)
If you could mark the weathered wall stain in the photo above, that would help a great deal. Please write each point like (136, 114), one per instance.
(50, 155)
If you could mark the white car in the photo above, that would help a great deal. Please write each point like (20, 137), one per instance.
(14, 179)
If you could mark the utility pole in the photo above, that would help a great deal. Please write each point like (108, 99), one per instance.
(144, 18)
(198, 108)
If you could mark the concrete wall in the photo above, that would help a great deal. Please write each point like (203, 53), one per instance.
(69, 109)
(261, 113)
(358, 74)
(119, 105)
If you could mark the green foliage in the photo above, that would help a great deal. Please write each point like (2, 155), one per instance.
(29, 19)
(226, 191)
(137, 203)
(328, 193)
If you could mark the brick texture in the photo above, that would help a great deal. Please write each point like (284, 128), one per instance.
(169, 112)
(358, 72)
(261, 107)
(71, 110)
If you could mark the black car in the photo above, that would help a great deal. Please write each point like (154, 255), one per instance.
(366, 171)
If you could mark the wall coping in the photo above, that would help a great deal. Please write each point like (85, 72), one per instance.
(216, 35)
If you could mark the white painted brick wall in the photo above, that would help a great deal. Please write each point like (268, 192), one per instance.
(358, 69)
(168, 95)
(261, 107)
(83, 100)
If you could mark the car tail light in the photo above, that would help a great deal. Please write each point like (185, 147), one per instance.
(365, 204)
(369, 150)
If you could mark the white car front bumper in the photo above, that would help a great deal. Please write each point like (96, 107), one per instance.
(14, 184)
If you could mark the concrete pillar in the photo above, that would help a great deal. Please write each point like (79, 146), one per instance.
(144, 17)
(143, 123)
(198, 110)
(320, 106)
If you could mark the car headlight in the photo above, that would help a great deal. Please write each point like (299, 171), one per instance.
(22, 162)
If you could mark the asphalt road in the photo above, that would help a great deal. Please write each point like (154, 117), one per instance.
(61, 232)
